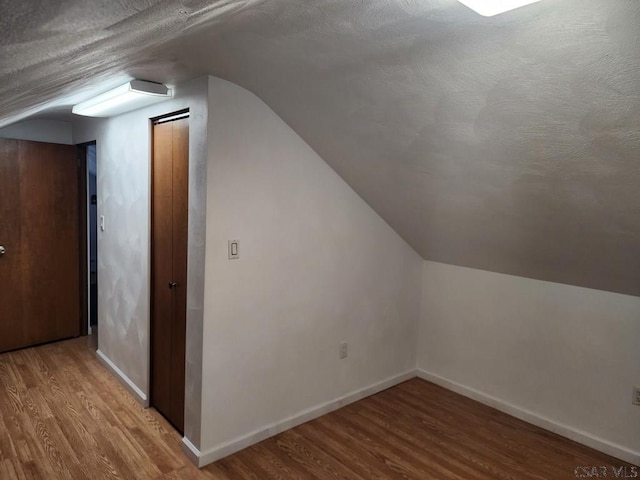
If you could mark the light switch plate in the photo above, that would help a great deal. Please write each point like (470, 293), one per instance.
(234, 249)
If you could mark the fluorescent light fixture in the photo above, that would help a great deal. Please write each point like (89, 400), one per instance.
(489, 8)
(130, 96)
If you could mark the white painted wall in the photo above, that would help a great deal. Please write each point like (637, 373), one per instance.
(40, 130)
(317, 266)
(123, 183)
(546, 352)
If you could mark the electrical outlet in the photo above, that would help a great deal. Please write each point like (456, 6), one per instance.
(344, 350)
(636, 396)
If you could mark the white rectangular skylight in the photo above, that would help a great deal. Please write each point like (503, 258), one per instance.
(489, 8)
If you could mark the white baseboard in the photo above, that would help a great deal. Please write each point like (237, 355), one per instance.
(191, 451)
(138, 394)
(576, 435)
(222, 450)
(200, 459)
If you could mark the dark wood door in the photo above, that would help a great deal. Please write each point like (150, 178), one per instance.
(170, 199)
(40, 234)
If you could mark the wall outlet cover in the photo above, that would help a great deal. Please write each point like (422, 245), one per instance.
(234, 249)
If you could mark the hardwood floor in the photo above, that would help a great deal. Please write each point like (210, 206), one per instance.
(63, 416)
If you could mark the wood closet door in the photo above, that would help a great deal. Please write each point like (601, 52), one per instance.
(170, 199)
(40, 235)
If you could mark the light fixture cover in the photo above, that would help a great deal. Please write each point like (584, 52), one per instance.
(130, 96)
(489, 8)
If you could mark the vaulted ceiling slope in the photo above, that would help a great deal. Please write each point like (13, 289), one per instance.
(509, 143)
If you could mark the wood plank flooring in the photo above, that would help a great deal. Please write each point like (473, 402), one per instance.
(63, 416)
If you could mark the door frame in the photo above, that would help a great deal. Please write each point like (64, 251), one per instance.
(168, 117)
(83, 223)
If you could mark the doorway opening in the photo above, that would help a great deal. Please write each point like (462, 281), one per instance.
(92, 236)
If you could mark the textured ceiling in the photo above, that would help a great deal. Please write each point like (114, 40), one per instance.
(509, 143)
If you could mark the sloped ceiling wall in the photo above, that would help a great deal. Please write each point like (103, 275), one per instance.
(509, 143)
